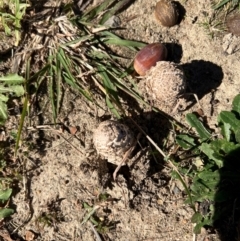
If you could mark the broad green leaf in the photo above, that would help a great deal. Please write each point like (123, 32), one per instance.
(4, 89)
(185, 141)
(5, 194)
(197, 228)
(18, 90)
(3, 98)
(230, 118)
(12, 79)
(209, 175)
(212, 184)
(206, 221)
(237, 135)
(236, 104)
(198, 188)
(194, 122)
(196, 218)
(6, 212)
(222, 145)
(207, 150)
(3, 112)
(225, 130)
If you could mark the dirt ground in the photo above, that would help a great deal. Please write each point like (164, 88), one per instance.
(63, 172)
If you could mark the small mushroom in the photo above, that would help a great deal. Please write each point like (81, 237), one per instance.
(112, 140)
(164, 84)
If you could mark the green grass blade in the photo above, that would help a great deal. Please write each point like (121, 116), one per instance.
(58, 84)
(113, 10)
(176, 175)
(23, 115)
(51, 91)
(25, 108)
(93, 12)
(219, 5)
(123, 42)
(67, 75)
(112, 108)
(108, 84)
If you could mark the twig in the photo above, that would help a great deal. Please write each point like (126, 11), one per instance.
(95, 232)
(49, 128)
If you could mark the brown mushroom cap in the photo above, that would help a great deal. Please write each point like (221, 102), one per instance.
(112, 139)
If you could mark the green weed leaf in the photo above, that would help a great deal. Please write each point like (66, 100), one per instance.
(236, 104)
(185, 141)
(210, 175)
(6, 212)
(230, 118)
(12, 79)
(5, 194)
(3, 98)
(18, 90)
(237, 135)
(194, 122)
(197, 228)
(225, 130)
(207, 150)
(196, 218)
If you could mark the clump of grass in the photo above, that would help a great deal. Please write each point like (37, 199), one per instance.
(76, 51)
(102, 224)
(215, 24)
(11, 14)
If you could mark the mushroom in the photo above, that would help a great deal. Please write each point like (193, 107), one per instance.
(164, 84)
(112, 140)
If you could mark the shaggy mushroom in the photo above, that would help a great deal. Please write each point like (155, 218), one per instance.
(164, 85)
(112, 140)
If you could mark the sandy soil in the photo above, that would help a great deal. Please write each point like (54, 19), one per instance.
(65, 172)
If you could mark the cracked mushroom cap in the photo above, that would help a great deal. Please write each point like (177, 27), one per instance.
(164, 83)
(112, 139)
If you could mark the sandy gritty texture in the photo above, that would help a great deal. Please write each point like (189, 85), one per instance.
(60, 178)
